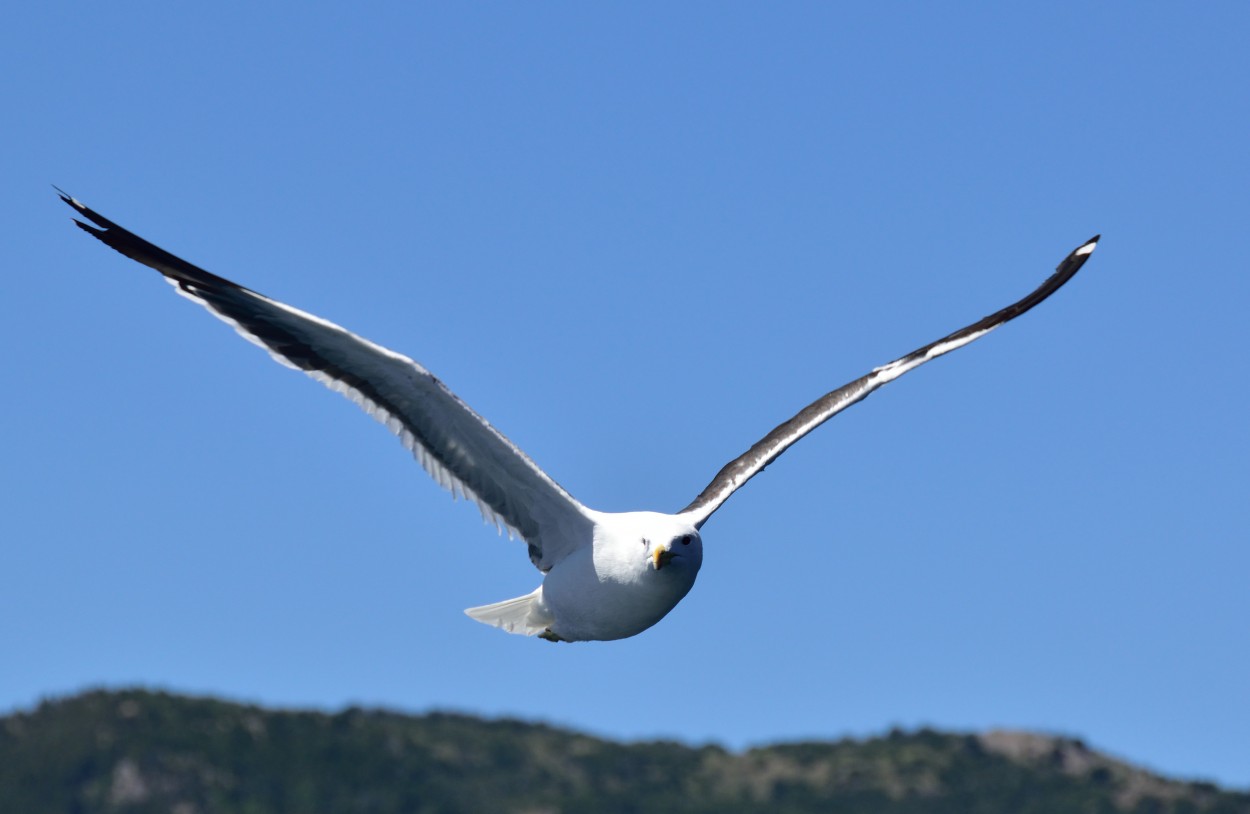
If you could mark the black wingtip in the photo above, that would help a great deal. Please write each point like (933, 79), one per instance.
(99, 225)
(80, 207)
(1086, 248)
(72, 201)
(136, 248)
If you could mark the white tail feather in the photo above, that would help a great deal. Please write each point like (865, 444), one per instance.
(525, 615)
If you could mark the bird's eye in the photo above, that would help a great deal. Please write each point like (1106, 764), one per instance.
(645, 542)
(685, 540)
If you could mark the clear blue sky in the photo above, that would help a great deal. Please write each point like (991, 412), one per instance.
(635, 237)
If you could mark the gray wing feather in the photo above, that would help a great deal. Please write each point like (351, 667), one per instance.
(459, 449)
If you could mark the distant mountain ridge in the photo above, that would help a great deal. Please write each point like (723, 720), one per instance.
(137, 752)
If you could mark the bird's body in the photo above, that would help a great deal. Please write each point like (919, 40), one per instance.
(606, 575)
(636, 568)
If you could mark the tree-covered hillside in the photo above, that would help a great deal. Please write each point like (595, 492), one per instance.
(140, 752)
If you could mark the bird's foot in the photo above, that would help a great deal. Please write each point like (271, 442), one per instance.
(551, 636)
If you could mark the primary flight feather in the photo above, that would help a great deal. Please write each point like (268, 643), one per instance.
(607, 575)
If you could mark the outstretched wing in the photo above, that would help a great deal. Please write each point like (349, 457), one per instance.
(459, 449)
(746, 466)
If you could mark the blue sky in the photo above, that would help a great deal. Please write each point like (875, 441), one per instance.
(635, 238)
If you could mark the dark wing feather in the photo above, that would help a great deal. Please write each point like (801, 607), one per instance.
(738, 471)
(459, 449)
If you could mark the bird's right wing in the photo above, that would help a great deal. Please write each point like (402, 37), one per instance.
(460, 450)
(747, 465)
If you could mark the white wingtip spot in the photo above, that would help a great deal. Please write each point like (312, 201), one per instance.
(1088, 248)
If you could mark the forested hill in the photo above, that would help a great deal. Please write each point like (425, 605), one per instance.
(136, 751)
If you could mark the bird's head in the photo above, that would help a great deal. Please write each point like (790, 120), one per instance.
(664, 546)
(676, 547)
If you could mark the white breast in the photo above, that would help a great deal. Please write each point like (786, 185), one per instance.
(611, 590)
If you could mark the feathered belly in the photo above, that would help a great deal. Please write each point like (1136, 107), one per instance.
(596, 601)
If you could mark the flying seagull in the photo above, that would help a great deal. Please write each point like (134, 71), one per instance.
(607, 575)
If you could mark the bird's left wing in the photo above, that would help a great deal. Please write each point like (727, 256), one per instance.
(738, 471)
(460, 450)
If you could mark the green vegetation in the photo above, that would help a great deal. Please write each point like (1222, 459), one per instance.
(139, 752)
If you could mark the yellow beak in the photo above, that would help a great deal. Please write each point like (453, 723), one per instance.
(660, 557)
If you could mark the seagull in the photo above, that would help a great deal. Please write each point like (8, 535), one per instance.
(607, 575)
